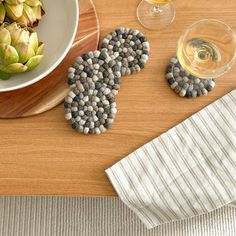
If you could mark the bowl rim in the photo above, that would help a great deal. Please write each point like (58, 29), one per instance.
(58, 61)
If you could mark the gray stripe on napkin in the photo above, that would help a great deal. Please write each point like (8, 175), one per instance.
(99, 216)
(189, 170)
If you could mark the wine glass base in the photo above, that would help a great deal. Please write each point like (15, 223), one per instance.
(185, 84)
(155, 17)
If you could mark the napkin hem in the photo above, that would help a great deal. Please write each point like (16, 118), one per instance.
(117, 188)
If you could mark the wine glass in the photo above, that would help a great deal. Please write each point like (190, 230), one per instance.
(207, 49)
(156, 14)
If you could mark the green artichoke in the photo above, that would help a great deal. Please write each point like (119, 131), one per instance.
(27, 12)
(20, 49)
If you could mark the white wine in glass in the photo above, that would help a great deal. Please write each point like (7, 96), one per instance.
(156, 14)
(207, 49)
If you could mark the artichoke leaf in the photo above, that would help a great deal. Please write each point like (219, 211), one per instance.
(37, 12)
(43, 7)
(18, 35)
(34, 62)
(11, 27)
(2, 13)
(33, 40)
(40, 49)
(13, 68)
(33, 3)
(23, 19)
(14, 2)
(14, 11)
(4, 68)
(16, 68)
(25, 52)
(8, 54)
(28, 14)
(5, 36)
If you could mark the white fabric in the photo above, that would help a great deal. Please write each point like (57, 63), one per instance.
(189, 170)
(99, 216)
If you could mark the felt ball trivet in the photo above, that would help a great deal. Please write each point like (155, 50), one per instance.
(90, 111)
(95, 80)
(187, 85)
(128, 46)
(95, 68)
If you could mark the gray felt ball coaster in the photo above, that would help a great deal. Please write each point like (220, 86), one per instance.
(187, 85)
(90, 111)
(96, 70)
(128, 46)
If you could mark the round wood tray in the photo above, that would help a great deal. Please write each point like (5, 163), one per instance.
(51, 91)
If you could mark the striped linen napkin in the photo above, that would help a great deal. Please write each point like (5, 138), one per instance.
(189, 170)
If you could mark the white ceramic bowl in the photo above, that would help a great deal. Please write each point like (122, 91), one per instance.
(57, 30)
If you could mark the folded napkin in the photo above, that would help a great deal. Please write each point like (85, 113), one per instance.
(189, 170)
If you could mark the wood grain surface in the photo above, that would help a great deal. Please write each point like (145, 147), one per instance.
(43, 155)
(51, 91)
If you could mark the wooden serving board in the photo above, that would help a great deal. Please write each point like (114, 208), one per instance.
(50, 91)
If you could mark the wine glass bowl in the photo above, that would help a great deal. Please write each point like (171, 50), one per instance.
(207, 49)
(156, 14)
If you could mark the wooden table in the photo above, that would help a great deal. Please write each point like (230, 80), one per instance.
(43, 155)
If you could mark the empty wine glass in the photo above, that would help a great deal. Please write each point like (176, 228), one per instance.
(156, 14)
(207, 49)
